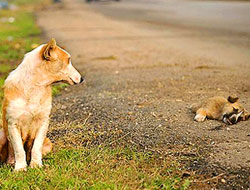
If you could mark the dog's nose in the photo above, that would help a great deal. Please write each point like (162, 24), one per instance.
(82, 79)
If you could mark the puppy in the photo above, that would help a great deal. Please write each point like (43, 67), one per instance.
(27, 103)
(229, 110)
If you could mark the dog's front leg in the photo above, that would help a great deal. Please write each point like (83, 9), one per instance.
(17, 144)
(36, 152)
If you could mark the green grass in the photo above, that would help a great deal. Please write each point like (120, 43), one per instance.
(22, 27)
(57, 88)
(25, 2)
(4, 68)
(98, 169)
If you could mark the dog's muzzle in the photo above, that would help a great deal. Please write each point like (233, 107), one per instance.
(81, 80)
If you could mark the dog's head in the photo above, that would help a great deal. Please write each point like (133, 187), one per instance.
(58, 64)
(234, 112)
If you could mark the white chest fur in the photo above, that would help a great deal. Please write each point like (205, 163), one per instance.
(20, 107)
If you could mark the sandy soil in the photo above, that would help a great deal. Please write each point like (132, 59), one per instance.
(140, 83)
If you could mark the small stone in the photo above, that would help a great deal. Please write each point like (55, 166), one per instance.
(178, 100)
(223, 180)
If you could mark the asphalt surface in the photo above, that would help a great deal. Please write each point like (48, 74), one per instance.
(225, 18)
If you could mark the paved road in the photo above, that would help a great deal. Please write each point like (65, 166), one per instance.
(218, 29)
(224, 18)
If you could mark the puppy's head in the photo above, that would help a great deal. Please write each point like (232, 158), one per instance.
(58, 64)
(233, 111)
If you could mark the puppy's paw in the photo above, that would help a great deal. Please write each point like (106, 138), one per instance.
(199, 118)
(36, 164)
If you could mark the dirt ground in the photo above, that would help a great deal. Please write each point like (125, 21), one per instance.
(140, 84)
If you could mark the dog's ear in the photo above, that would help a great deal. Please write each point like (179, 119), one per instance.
(232, 99)
(49, 48)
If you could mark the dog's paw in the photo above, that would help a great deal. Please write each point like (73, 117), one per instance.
(199, 118)
(34, 164)
(20, 167)
(11, 161)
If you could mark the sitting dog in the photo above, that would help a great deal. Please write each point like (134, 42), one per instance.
(27, 104)
(229, 110)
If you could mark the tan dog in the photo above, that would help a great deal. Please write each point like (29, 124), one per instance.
(27, 104)
(229, 110)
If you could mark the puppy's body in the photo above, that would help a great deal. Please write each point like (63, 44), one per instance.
(228, 110)
(27, 102)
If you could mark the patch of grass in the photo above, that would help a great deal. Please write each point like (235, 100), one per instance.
(99, 169)
(4, 68)
(56, 89)
(22, 27)
(25, 2)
